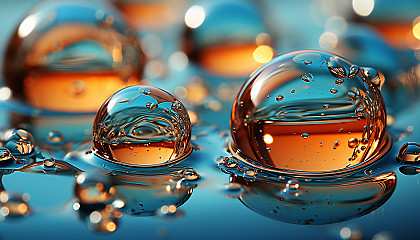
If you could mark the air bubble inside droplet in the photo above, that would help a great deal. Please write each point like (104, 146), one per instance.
(142, 131)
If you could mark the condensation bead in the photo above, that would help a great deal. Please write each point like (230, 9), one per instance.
(226, 38)
(70, 56)
(128, 130)
(294, 127)
(20, 143)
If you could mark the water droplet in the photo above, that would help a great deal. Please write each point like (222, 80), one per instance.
(49, 162)
(354, 70)
(55, 137)
(306, 77)
(268, 96)
(305, 135)
(20, 143)
(336, 68)
(339, 81)
(156, 135)
(302, 112)
(190, 175)
(360, 111)
(146, 91)
(292, 91)
(333, 90)
(353, 142)
(409, 152)
(232, 163)
(372, 75)
(6, 158)
(72, 71)
(150, 105)
(292, 185)
(279, 98)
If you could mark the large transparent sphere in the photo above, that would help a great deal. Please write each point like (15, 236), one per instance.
(70, 56)
(142, 126)
(310, 111)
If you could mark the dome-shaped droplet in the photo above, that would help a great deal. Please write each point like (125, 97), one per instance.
(20, 142)
(282, 126)
(190, 175)
(93, 188)
(55, 138)
(49, 162)
(409, 152)
(70, 56)
(226, 38)
(6, 158)
(127, 131)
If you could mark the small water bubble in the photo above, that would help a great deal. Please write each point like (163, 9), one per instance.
(372, 75)
(326, 106)
(352, 96)
(306, 77)
(55, 137)
(307, 62)
(146, 91)
(305, 135)
(292, 91)
(190, 175)
(353, 142)
(360, 111)
(268, 96)
(279, 98)
(409, 152)
(49, 162)
(339, 81)
(354, 70)
(150, 105)
(6, 158)
(336, 68)
(232, 163)
(334, 90)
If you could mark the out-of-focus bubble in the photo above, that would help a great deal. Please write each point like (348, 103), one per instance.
(20, 143)
(150, 15)
(409, 152)
(142, 126)
(93, 188)
(70, 56)
(300, 133)
(226, 38)
(13, 205)
(105, 220)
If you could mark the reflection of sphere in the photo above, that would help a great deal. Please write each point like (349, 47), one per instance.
(318, 203)
(226, 38)
(310, 111)
(142, 125)
(93, 188)
(70, 56)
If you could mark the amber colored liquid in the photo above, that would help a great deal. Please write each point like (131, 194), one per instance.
(148, 15)
(289, 150)
(398, 35)
(229, 60)
(72, 92)
(141, 154)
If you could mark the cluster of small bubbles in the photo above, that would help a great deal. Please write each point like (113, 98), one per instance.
(409, 152)
(190, 175)
(6, 158)
(142, 126)
(265, 131)
(306, 77)
(14, 205)
(20, 143)
(93, 188)
(66, 62)
(49, 162)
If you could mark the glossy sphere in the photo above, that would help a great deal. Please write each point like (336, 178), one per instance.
(142, 126)
(331, 114)
(70, 56)
(226, 38)
(20, 143)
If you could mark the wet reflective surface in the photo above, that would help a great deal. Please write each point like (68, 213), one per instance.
(159, 160)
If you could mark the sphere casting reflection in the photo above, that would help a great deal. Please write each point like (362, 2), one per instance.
(310, 111)
(142, 126)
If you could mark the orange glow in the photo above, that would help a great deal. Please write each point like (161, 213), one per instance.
(263, 54)
(268, 139)
(22, 208)
(416, 30)
(111, 226)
